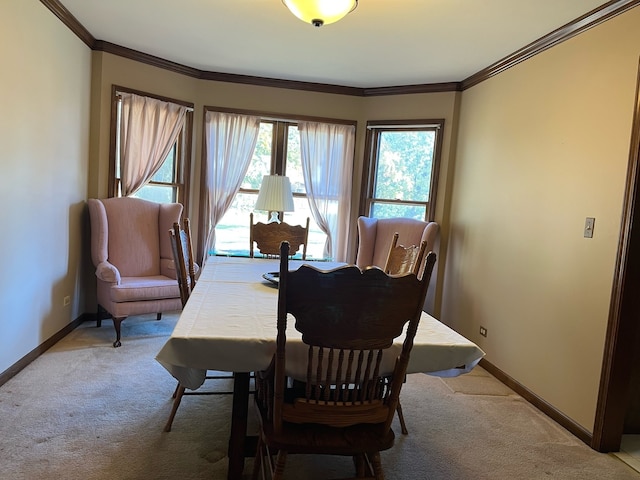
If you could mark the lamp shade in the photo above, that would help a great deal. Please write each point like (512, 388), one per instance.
(275, 194)
(320, 12)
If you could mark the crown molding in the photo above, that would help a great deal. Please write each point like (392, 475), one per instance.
(279, 83)
(407, 89)
(108, 47)
(589, 20)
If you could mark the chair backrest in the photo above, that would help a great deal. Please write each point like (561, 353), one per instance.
(183, 259)
(375, 236)
(131, 234)
(268, 237)
(347, 318)
(403, 260)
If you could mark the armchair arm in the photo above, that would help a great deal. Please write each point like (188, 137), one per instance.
(108, 272)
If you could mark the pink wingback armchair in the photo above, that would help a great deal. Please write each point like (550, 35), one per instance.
(375, 237)
(131, 251)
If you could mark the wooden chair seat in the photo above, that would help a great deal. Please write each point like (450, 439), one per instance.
(323, 439)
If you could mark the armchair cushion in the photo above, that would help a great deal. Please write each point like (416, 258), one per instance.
(134, 289)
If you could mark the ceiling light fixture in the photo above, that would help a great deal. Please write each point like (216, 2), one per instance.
(320, 12)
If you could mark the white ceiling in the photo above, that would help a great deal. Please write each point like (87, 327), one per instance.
(382, 43)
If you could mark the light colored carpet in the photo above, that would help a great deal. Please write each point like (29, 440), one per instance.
(87, 411)
(477, 382)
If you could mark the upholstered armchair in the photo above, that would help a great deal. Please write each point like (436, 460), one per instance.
(131, 251)
(375, 237)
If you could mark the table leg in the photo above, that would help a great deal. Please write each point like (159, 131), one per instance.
(238, 433)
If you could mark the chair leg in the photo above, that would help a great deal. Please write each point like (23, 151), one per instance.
(258, 466)
(358, 461)
(117, 321)
(281, 459)
(374, 458)
(159, 316)
(175, 392)
(403, 426)
(100, 315)
(176, 403)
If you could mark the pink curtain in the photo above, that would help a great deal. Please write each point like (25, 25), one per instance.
(148, 130)
(327, 166)
(230, 142)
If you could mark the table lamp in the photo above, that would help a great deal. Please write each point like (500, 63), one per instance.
(275, 196)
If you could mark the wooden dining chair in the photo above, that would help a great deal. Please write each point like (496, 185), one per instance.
(182, 249)
(267, 237)
(400, 261)
(183, 259)
(344, 399)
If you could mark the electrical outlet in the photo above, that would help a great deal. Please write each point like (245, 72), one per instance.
(66, 301)
(483, 331)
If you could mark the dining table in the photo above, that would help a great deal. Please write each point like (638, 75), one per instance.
(229, 324)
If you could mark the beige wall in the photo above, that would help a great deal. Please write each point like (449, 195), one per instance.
(542, 146)
(45, 83)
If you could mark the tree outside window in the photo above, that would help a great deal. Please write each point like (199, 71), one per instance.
(400, 177)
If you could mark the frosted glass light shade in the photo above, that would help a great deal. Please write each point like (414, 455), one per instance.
(275, 194)
(320, 12)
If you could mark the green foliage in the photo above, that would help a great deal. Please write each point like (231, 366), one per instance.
(166, 172)
(156, 193)
(294, 160)
(404, 165)
(392, 210)
(261, 160)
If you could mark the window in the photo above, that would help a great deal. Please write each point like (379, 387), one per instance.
(400, 178)
(170, 183)
(277, 152)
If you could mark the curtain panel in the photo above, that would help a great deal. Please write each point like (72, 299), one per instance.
(327, 165)
(148, 130)
(230, 140)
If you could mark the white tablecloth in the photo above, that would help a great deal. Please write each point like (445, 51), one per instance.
(229, 324)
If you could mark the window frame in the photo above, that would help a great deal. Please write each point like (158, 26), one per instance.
(278, 154)
(369, 168)
(278, 164)
(182, 147)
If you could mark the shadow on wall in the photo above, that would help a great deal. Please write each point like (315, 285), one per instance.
(432, 292)
(86, 280)
(458, 310)
(68, 293)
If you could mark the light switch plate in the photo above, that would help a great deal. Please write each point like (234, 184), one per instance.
(588, 227)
